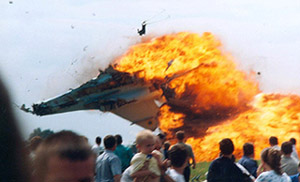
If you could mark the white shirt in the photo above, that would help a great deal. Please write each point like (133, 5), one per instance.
(177, 177)
(97, 149)
(126, 175)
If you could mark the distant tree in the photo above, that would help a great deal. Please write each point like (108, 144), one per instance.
(42, 133)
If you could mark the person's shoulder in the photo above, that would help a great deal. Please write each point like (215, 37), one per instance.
(101, 156)
(94, 146)
(187, 145)
(294, 177)
(215, 162)
(286, 178)
(242, 160)
(175, 175)
(266, 175)
(138, 156)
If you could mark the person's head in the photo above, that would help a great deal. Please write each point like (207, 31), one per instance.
(273, 140)
(180, 135)
(35, 142)
(13, 156)
(119, 139)
(145, 141)
(226, 146)
(110, 142)
(98, 140)
(64, 156)
(286, 148)
(272, 157)
(167, 145)
(248, 149)
(178, 155)
(293, 141)
(162, 137)
(158, 143)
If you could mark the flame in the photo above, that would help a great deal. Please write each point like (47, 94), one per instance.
(166, 123)
(271, 115)
(208, 97)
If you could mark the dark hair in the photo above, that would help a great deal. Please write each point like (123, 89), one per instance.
(180, 135)
(13, 156)
(272, 157)
(161, 136)
(248, 149)
(226, 146)
(119, 139)
(98, 140)
(178, 155)
(273, 140)
(286, 148)
(109, 141)
(293, 141)
(167, 145)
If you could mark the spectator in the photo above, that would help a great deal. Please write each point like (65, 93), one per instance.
(166, 149)
(296, 177)
(108, 165)
(162, 139)
(124, 153)
(247, 160)
(144, 165)
(289, 164)
(97, 149)
(223, 169)
(273, 141)
(64, 156)
(13, 155)
(294, 153)
(178, 156)
(180, 140)
(133, 148)
(270, 165)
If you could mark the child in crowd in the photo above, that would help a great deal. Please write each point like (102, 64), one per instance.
(145, 164)
(178, 155)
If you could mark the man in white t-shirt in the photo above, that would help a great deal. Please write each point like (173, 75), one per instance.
(178, 155)
(96, 148)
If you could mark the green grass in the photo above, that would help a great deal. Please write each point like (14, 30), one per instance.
(201, 169)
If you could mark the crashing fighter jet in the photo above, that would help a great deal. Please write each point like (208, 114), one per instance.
(112, 91)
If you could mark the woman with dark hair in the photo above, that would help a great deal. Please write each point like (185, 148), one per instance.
(270, 163)
(13, 156)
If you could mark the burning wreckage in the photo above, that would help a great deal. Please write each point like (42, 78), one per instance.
(187, 82)
(111, 91)
(171, 82)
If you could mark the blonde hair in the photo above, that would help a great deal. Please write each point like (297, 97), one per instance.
(144, 135)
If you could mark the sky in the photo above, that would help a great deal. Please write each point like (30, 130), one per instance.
(50, 46)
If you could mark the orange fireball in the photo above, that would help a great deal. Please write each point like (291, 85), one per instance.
(208, 97)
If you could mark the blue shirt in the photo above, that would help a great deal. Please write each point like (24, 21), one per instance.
(249, 164)
(107, 166)
(124, 155)
(295, 177)
(270, 176)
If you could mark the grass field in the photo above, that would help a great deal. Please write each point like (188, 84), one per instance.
(199, 173)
